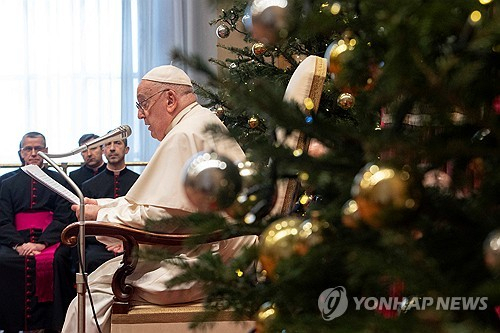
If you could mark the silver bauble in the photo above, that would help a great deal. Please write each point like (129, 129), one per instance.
(211, 181)
(222, 31)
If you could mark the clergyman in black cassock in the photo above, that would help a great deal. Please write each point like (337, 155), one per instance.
(31, 220)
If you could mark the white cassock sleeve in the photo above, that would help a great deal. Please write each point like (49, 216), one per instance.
(120, 210)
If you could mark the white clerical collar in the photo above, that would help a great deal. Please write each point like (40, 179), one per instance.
(181, 115)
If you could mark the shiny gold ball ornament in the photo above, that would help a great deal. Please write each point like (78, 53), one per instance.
(278, 241)
(269, 20)
(338, 52)
(346, 101)
(258, 49)
(253, 122)
(222, 31)
(264, 317)
(211, 182)
(382, 192)
(288, 236)
(491, 250)
(257, 196)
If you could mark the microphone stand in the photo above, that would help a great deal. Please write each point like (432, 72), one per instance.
(81, 275)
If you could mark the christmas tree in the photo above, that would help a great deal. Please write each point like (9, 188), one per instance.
(395, 173)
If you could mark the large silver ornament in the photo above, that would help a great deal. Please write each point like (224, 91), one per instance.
(211, 181)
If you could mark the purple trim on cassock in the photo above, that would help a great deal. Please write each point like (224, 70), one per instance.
(44, 260)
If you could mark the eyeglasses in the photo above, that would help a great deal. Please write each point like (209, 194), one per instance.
(141, 106)
(29, 149)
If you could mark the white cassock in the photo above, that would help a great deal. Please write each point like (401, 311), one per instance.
(158, 187)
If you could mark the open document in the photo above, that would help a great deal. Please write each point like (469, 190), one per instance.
(37, 173)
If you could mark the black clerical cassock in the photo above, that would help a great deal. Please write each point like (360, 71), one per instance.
(29, 212)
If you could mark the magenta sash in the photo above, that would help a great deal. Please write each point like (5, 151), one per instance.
(44, 260)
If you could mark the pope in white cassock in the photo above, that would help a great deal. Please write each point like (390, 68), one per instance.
(167, 104)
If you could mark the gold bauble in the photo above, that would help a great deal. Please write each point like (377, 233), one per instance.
(337, 54)
(288, 236)
(346, 101)
(379, 190)
(253, 122)
(278, 241)
(258, 49)
(265, 317)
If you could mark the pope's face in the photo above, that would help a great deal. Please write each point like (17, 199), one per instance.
(152, 108)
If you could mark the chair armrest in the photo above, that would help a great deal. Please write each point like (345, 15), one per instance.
(125, 233)
(131, 238)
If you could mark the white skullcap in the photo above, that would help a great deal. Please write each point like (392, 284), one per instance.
(168, 74)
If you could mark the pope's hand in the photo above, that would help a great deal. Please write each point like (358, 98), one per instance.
(115, 248)
(91, 209)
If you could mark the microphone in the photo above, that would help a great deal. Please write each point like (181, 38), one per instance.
(119, 133)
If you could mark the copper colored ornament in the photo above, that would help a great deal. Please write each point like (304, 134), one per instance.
(222, 31)
(346, 101)
(438, 179)
(258, 49)
(253, 122)
(269, 22)
(491, 249)
(384, 192)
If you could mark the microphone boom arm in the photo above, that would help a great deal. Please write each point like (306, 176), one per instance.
(119, 133)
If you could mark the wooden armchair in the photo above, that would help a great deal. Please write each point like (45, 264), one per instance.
(126, 318)
(131, 238)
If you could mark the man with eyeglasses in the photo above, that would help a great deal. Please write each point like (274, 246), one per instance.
(31, 220)
(167, 104)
